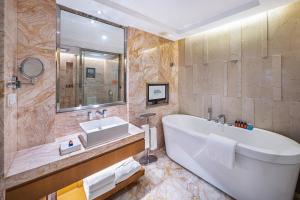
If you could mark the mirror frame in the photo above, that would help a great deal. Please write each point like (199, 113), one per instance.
(59, 8)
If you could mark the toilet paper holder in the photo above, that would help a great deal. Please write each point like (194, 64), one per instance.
(147, 159)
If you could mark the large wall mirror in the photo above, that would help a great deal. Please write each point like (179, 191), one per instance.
(90, 61)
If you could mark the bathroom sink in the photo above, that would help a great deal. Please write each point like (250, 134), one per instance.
(101, 131)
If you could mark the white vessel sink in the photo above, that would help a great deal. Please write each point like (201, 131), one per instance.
(102, 131)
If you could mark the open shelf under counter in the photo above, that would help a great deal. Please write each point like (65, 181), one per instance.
(41, 169)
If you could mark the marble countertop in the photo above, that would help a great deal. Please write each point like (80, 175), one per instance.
(38, 161)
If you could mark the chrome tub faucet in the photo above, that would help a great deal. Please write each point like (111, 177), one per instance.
(221, 119)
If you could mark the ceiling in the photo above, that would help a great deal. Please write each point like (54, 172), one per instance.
(173, 19)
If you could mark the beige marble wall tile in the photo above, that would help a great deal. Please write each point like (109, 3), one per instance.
(284, 29)
(232, 108)
(196, 79)
(181, 53)
(258, 78)
(1, 99)
(188, 51)
(248, 110)
(294, 111)
(206, 103)
(197, 49)
(251, 37)
(281, 117)
(215, 77)
(263, 113)
(234, 79)
(187, 80)
(225, 79)
(264, 35)
(216, 104)
(257, 92)
(276, 77)
(10, 65)
(291, 76)
(235, 40)
(217, 45)
(205, 49)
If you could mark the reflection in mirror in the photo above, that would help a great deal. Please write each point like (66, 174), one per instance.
(90, 61)
(31, 68)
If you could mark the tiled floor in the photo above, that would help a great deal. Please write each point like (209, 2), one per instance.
(166, 180)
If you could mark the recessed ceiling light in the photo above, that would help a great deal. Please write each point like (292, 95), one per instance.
(92, 21)
(104, 37)
(99, 12)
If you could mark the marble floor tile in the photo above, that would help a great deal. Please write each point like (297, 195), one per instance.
(166, 180)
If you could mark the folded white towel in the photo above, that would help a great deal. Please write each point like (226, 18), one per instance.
(100, 179)
(105, 180)
(90, 195)
(221, 150)
(126, 169)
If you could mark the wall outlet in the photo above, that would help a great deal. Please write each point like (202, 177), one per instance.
(11, 99)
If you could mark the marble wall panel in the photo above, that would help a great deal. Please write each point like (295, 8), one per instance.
(10, 65)
(234, 79)
(217, 45)
(1, 99)
(264, 35)
(294, 112)
(206, 104)
(281, 117)
(205, 49)
(251, 37)
(291, 76)
(181, 53)
(263, 111)
(152, 57)
(248, 110)
(225, 79)
(251, 92)
(215, 77)
(37, 38)
(188, 51)
(216, 105)
(235, 41)
(284, 29)
(232, 108)
(276, 77)
(197, 46)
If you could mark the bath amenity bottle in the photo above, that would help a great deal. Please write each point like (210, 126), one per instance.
(250, 126)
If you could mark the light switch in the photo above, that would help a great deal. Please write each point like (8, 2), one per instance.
(11, 99)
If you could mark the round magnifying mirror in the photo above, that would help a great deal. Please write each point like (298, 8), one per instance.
(31, 68)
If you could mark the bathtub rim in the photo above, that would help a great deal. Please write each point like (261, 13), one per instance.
(249, 151)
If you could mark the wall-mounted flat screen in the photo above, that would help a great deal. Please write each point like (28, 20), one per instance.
(157, 93)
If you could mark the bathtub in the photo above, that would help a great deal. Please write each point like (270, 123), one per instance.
(266, 165)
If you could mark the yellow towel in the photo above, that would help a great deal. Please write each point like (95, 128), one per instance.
(74, 191)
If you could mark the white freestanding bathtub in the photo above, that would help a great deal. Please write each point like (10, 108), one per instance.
(266, 165)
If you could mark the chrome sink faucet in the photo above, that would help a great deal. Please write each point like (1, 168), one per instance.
(90, 115)
(102, 112)
(221, 119)
(209, 113)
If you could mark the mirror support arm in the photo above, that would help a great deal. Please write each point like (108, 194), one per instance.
(14, 83)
